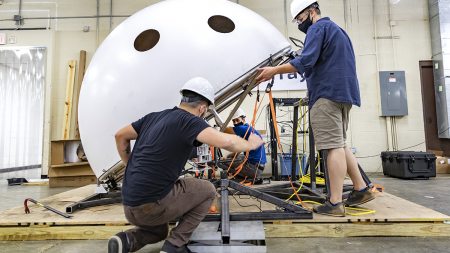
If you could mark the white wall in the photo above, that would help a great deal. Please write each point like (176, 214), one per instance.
(371, 25)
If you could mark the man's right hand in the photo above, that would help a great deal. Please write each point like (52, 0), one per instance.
(265, 74)
(255, 141)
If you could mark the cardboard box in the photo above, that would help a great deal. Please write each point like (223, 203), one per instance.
(436, 152)
(442, 165)
(76, 181)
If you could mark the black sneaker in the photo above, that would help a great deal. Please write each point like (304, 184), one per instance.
(328, 209)
(258, 181)
(119, 243)
(170, 248)
(356, 198)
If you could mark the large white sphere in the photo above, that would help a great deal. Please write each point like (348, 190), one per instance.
(143, 63)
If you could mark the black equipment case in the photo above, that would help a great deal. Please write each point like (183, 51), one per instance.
(409, 164)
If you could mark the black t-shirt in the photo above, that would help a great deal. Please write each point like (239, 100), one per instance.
(164, 143)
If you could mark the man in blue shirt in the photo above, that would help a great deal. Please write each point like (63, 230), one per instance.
(254, 166)
(328, 64)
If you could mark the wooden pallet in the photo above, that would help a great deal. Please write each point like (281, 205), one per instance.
(394, 217)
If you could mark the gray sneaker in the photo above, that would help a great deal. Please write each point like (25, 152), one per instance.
(328, 209)
(356, 198)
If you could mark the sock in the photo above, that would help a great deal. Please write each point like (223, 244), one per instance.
(364, 189)
(335, 203)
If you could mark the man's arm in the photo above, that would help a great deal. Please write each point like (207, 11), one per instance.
(229, 142)
(123, 138)
(229, 130)
(267, 73)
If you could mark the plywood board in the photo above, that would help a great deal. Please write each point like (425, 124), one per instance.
(394, 217)
(389, 208)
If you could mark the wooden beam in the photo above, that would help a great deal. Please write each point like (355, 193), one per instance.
(86, 232)
(357, 229)
(81, 71)
(69, 97)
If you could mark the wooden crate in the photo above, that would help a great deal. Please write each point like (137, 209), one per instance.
(62, 173)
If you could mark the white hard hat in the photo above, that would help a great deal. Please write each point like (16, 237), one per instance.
(298, 6)
(201, 86)
(239, 113)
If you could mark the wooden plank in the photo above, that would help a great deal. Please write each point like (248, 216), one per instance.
(71, 181)
(357, 229)
(56, 153)
(81, 71)
(39, 183)
(70, 165)
(75, 169)
(59, 233)
(69, 97)
(46, 232)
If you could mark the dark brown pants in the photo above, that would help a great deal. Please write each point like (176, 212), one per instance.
(188, 200)
(248, 171)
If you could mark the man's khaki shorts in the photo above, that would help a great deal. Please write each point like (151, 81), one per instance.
(329, 122)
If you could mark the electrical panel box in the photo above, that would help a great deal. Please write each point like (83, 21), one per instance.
(393, 93)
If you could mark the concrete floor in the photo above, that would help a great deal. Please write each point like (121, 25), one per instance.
(433, 193)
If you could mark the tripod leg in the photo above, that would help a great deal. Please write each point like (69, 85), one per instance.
(324, 168)
(365, 177)
(225, 210)
(312, 157)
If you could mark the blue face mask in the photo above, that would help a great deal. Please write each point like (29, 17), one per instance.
(305, 25)
(239, 124)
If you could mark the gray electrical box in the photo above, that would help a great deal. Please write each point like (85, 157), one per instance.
(393, 93)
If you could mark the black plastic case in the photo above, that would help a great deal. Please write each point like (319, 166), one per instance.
(409, 164)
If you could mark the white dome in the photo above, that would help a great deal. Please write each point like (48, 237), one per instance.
(143, 63)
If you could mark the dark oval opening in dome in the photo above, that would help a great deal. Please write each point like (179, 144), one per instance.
(221, 24)
(146, 40)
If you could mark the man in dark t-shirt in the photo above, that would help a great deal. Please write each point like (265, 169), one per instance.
(152, 192)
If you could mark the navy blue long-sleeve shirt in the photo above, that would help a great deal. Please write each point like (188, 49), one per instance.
(257, 156)
(328, 64)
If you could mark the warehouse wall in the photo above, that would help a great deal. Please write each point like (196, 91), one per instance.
(386, 34)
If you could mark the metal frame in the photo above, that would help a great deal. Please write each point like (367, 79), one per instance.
(295, 102)
(312, 192)
(97, 199)
(290, 211)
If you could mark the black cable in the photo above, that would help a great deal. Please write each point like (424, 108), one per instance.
(398, 150)
(257, 118)
(402, 148)
(413, 146)
(259, 201)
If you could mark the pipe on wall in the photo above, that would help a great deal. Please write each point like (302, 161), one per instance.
(110, 15)
(97, 25)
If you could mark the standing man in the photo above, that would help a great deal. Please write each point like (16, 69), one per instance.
(152, 192)
(328, 63)
(254, 166)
